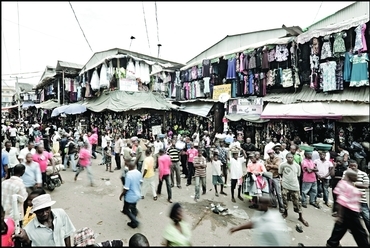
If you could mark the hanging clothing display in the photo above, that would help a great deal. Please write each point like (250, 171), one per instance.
(265, 59)
(287, 78)
(206, 85)
(137, 70)
(339, 47)
(326, 51)
(95, 81)
(347, 67)
(231, 69)
(194, 73)
(360, 41)
(339, 75)
(281, 53)
(242, 62)
(104, 81)
(206, 68)
(130, 70)
(252, 60)
(328, 75)
(359, 73)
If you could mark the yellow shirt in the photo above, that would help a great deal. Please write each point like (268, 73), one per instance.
(28, 216)
(149, 166)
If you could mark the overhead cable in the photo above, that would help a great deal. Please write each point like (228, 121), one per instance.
(146, 27)
(80, 26)
(317, 13)
(11, 74)
(7, 54)
(156, 19)
(19, 41)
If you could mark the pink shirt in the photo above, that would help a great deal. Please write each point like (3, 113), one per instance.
(164, 165)
(85, 157)
(6, 239)
(42, 160)
(308, 177)
(93, 139)
(348, 195)
(191, 154)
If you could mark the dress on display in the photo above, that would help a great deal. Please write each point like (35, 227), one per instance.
(359, 73)
(231, 69)
(326, 51)
(328, 74)
(95, 81)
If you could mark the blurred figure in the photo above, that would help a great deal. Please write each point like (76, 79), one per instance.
(85, 162)
(270, 229)
(348, 215)
(148, 175)
(85, 237)
(7, 230)
(138, 240)
(177, 233)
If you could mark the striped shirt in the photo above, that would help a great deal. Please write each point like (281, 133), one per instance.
(362, 178)
(174, 154)
(200, 165)
(9, 187)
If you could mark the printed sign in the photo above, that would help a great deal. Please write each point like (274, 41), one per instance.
(128, 85)
(219, 89)
(250, 106)
(156, 129)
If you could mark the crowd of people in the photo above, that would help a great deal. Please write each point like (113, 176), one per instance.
(271, 177)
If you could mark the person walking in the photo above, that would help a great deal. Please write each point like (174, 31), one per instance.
(29, 149)
(70, 151)
(336, 174)
(42, 157)
(200, 165)
(4, 165)
(131, 194)
(148, 175)
(217, 174)
(140, 154)
(164, 166)
(12, 153)
(118, 145)
(272, 165)
(309, 181)
(269, 226)
(177, 233)
(361, 184)
(290, 172)
(107, 156)
(236, 172)
(323, 176)
(14, 185)
(348, 198)
(85, 162)
(191, 153)
(32, 177)
(175, 167)
(224, 158)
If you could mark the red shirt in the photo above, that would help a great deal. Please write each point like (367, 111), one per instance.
(308, 177)
(42, 159)
(191, 154)
(84, 157)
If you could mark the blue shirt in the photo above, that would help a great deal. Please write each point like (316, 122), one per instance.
(133, 186)
(32, 174)
(4, 161)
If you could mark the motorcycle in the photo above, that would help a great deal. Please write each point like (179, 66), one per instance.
(53, 178)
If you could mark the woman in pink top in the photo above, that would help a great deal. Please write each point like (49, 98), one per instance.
(7, 230)
(85, 162)
(42, 157)
(164, 166)
(348, 198)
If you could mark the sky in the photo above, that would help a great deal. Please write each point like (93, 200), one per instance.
(48, 31)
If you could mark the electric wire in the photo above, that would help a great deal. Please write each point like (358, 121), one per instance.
(20, 73)
(19, 41)
(80, 26)
(14, 79)
(146, 27)
(7, 54)
(317, 13)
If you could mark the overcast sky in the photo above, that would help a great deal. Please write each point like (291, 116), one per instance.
(48, 31)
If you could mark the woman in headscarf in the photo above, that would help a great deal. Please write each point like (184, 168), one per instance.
(177, 233)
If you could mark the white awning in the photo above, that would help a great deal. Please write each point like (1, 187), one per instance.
(314, 110)
(197, 108)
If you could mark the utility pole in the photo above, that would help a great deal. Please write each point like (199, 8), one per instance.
(18, 97)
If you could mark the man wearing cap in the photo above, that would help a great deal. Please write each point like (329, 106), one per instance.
(51, 227)
(278, 153)
(272, 165)
(309, 182)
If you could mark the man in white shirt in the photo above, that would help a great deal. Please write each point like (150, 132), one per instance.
(12, 154)
(324, 166)
(13, 134)
(236, 172)
(269, 145)
(283, 150)
(158, 145)
(32, 176)
(29, 149)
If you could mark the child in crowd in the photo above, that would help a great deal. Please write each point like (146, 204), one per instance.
(216, 174)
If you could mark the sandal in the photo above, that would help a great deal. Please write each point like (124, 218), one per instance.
(155, 198)
(304, 222)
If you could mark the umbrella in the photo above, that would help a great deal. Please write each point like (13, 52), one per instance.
(71, 109)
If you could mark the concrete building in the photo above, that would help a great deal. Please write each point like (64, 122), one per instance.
(7, 93)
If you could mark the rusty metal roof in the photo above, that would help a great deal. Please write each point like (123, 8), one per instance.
(306, 94)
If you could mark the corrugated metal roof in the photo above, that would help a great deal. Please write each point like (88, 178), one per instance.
(308, 95)
(63, 64)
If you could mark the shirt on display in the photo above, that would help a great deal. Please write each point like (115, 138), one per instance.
(328, 74)
(359, 73)
(206, 66)
(281, 53)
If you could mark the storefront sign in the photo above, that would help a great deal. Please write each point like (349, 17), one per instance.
(156, 129)
(219, 89)
(246, 106)
(128, 85)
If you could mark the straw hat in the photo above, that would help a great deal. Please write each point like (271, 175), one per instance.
(41, 202)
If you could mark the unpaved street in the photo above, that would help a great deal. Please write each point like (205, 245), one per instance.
(99, 208)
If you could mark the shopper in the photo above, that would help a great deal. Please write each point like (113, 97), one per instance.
(200, 165)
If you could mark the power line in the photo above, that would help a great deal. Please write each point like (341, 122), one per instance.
(20, 73)
(7, 54)
(80, 26)
(19, 40)
(11, 79)
(146, 28)
(156, 19)
(317, 13)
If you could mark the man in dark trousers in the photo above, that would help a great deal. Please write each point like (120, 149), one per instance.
(62, 144)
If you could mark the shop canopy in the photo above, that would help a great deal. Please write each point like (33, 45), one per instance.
(26, 105)
(70, 109)
(250, 118)
(197, 108)
(333, 28)
(49, 104)
(5, 109)
(315, 110)
(121, 101)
